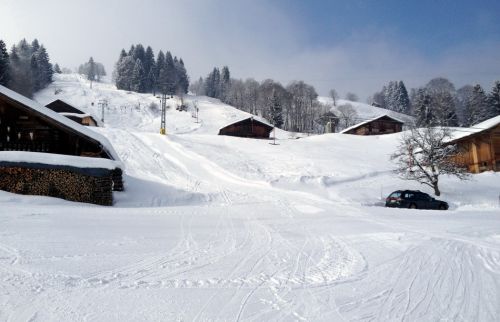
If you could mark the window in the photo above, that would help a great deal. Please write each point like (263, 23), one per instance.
(395, 195)
(409, 195)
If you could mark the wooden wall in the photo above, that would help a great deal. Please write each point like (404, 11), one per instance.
(377, 127)
(247, 128)
(21, 130)
(480, 152)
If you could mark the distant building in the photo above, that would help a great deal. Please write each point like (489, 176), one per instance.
(72, 113)
(44, 153)
(383, 124)
(479, 146)
(248, 128)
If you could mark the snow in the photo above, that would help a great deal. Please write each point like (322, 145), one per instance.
(459, 133)
(79, 115)
(58, 159)
(223, 228)
(58, 118)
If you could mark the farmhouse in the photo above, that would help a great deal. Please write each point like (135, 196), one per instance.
(479, 146)
(72, 113)
(383, 124)
(44, 153)
(249, 128)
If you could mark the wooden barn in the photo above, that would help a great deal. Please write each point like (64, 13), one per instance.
(72, 113)
(248, 128)
(479, 146)
(31, 133)
(383, 124)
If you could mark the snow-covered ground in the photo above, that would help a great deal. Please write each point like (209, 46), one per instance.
(223, 228)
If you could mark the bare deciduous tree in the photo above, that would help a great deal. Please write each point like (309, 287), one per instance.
(347, 116)
(424, 154)
(334, 95)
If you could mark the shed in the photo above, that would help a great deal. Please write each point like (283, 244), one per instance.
(248, 128)
(479, 146)
(383, 124)
(72, 113)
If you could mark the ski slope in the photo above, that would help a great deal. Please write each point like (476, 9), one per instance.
(232, 229)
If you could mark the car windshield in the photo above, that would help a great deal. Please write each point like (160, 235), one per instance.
(395, 195)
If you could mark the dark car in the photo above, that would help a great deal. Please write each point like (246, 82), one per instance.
(414, 199)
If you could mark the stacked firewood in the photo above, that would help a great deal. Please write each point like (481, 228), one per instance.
(58, 183)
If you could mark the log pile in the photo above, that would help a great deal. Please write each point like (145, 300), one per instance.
(58, 183)
(117, 177)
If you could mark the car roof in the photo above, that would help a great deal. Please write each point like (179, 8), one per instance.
(414, 191)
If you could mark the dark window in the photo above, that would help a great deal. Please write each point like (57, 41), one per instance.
(409, 196)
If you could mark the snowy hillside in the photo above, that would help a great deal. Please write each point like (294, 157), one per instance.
(129, 110)
(223, 228)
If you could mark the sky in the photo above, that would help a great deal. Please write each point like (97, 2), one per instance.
(352, 46)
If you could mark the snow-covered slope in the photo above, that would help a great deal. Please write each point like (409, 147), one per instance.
(223, 228)
(130, 110)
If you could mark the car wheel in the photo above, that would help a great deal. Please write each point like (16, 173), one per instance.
(442, 207)
(413, 206)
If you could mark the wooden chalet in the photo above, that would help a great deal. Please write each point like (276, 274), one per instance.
(27, 126)
(479, 146)
(383, 124)
(248, 128)
(35, 145)
(72, 113)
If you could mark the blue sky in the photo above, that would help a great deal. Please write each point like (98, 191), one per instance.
(355, 46)
(430, 26)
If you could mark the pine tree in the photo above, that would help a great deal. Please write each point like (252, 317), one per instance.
(476, 110)
(35, 45)
(139, 53)
(131, 51)
(123, 54)
(422, 108)
(4, 64)
(91, 72)
(225, 83)
(124, 72)
(402, 99)
(390, 96)
(276, 110)
(170, 75)
(149, 66)
(138, 77)
(160, 65)
(182, 77)
(494, 100)
(35, 74)
(57, 69)
(46, 70)
(463, 97)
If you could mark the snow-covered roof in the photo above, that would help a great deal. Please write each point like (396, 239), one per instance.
(64, 121)
(79, 115)
(370, 120)
(58, 160)
(253, 117)
(460, 133)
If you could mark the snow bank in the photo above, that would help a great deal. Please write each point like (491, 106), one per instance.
(58, 160)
